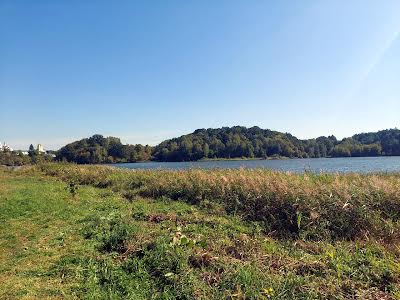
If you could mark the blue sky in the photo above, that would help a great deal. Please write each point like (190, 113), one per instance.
(146, 71)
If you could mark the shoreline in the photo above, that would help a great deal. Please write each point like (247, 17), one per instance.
(248, 159)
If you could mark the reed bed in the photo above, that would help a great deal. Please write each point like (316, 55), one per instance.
(287, 205)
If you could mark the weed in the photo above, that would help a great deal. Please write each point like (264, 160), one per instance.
(73, 189)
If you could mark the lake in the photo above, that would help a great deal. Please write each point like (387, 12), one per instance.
(330, 165)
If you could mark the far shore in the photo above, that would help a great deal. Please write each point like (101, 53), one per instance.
(207, 159)
(241, 159)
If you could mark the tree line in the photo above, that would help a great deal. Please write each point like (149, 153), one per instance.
(18, 158)
(231, 142)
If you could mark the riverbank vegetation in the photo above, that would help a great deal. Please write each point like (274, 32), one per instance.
(96, 232)
(311, 205)
(230, 143)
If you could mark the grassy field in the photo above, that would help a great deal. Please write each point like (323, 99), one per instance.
(88, 232)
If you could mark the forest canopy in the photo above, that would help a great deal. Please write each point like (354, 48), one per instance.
(98, 149)
(231, 142)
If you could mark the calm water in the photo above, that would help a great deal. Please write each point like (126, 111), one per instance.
(332, 165)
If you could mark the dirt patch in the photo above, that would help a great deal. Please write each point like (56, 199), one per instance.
(158, 218)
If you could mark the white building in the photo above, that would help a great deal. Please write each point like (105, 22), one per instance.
(40, 148)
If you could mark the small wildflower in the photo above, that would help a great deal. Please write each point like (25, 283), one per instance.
(268, 292)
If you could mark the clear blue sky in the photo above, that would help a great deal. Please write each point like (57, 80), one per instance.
(146, 71)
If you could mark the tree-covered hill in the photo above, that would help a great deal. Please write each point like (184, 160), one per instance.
(236, 142)
(98, 149)
(255, 142)
(232, 142)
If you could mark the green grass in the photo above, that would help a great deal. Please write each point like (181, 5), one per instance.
(39, 224)
(69, 232)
